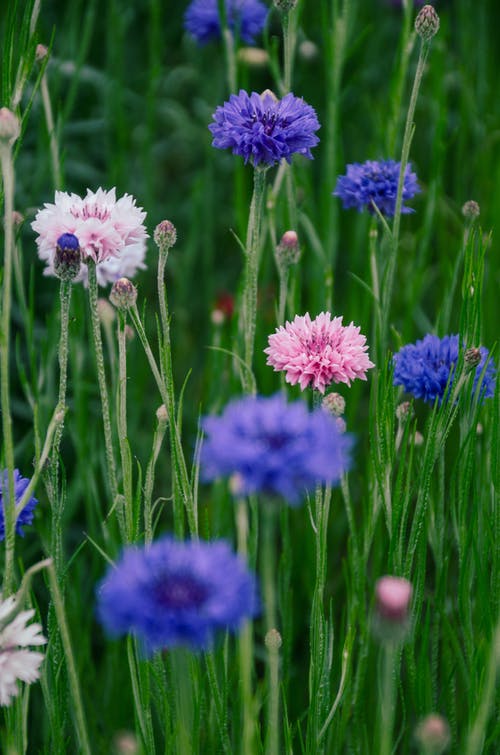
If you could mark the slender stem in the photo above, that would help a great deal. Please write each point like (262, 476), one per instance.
(80, 723)
(8, 486)
(136, 319)
(122, 428)
(253, 241)
(245, 644)
(387, 699)
(289, 40)
(475, 740)
(141, 706)
(218, 703)
(159, 434)
(65, 299)
(101, 375)
(230, 55)
(283, 291)
(269, 583)
(49, 118)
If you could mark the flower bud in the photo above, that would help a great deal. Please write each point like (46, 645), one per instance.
(162, 415)
(308, 50)
(334, 403)
(472, 357)
(273, 640)
(433, 734)
(471, 210)
(427, 23)
(125, 743)
(17, 218)
(10, 128)
(418, 439)
(288, 249)
(255, 57)
(68, 257)
(123, 294)
(393, 595)
(165, 235)
(404, 411)
(41, 53)
(285, 5)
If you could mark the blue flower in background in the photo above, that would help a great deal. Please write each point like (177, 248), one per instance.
(246, 17)
(274, 447)
(263, 129)
(26, 515)
(424, 368)
(176, 593)
(375, 182)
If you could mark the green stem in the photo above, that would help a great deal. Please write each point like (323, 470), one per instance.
(74, 686)
(218, 703)
(49, 118)
(126, 459)
(252, 250)
(141, 706)
(289, 40)
(101, 376)
(475, 740)
(245, 645)
(136, 319)
(159, 434)
(387, 699)
(269, 583)
(9, 502)
(65, 299)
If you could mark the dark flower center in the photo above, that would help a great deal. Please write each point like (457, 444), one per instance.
(179, 592)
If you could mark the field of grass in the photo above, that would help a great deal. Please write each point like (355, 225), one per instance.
(123, 97)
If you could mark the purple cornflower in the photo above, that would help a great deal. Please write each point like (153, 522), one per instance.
(245, 17)
(263, 129)
(375, 182)
(270, 446)
(176, 593)
(26, 515)
(424, 368)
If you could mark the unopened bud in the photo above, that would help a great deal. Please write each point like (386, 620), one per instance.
(334, 403)
(471, 210)
(165, 235)
(41, 53)
(418, 439)
(393, 596)
(10, 128)
(404, 411)
(68, 257)
(162, 415)
(285, 5)
(125, 743)
(273, 640)
(472, 357)
(106, 312)
(17, 218)
(288, 249)
(123, 294)
(433, 734)
(308, 50)
(427, 23)
(129, 333)
(218, 317)
(254, 57)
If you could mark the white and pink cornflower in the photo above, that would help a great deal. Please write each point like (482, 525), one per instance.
(319, 352)
(110, 231)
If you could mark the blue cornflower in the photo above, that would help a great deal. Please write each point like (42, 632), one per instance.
(26, 515)
(375, 182)
(263, 129)
(425, 367)
(246, 17)
(176, 593)
(273, 447)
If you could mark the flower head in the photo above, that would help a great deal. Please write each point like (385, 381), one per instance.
(26, 515)
(375, 182)
(263, 129)
(270, 446)
(424, 368)
(110, 231)
(318, 352)
(176, 593)
(393, 596)
(245, 17)
(17, 663)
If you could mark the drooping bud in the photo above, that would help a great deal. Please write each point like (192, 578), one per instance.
(68, 257)
(165, 235)
(393, 595)
(288, 249)
(471, 210)
(427, 23)
(433, 734)
(334, 403)
(10, 128)
(123, 294)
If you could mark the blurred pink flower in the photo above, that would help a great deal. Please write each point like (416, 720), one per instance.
(319, 352)
(110, 231)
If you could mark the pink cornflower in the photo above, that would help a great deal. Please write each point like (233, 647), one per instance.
(110, 231)
(318, 352)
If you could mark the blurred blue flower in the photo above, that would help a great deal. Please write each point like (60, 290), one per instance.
(375, 182)
(264, 129)
(176, 593)
(26, 515)
(424, 368)
(270, 446)
(246, 17)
